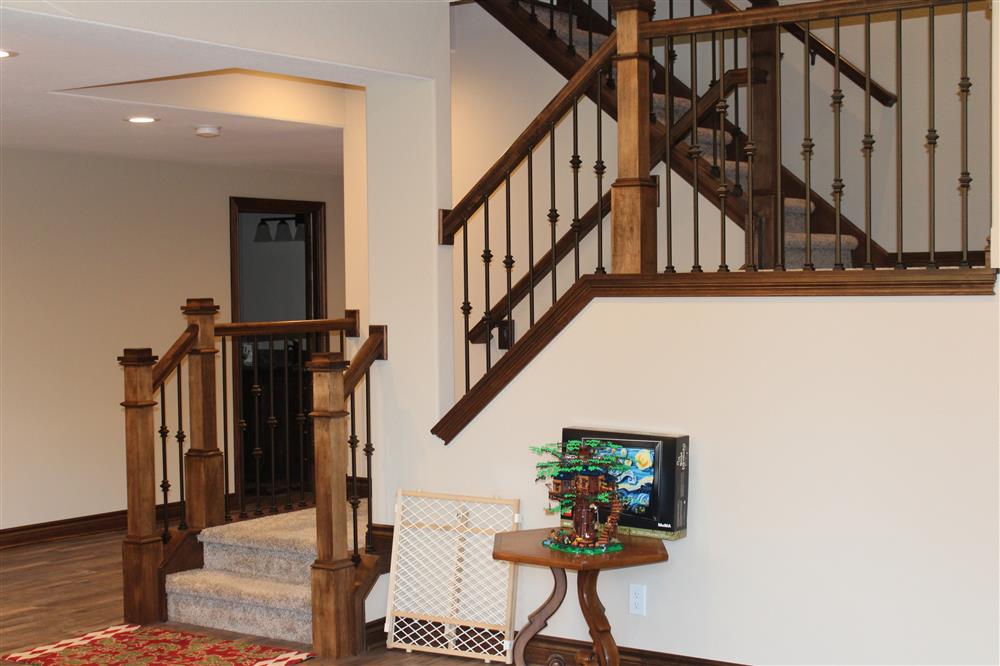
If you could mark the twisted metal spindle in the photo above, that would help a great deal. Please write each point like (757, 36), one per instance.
(694, 149)
(574, 163)
(487, 258)
(807, 144)
(368, 451)
(508, 264)
(965, 178)
(721, 110)
(165, 481)
(868, 143)
(838, 182)
(355, 500)
(180, 436)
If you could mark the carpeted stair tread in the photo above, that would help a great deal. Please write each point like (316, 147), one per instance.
(821, 242)
(235, 588)
(795, 215)
(232, 602)
(292, 532)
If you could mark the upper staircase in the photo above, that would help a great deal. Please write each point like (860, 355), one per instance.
(715, 120)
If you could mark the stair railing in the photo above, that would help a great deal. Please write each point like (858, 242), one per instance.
(268, 360)
(758, 34)
(338, 627)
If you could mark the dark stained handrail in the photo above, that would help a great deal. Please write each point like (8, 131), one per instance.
(347, 324)
(374, 348)
(812, 11)
(581, 84)
(173, 356)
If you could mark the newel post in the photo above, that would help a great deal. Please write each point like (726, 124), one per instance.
(333, 572)
(633, 194)
(203, 461)
(143, 547)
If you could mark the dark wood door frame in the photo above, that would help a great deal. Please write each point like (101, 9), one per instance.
(315, 247)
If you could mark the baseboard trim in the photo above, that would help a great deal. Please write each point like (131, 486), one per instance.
(112, 521)
(554, 650)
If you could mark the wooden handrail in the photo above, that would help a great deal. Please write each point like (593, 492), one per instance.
(812, 11)
(851, 71)
(348, 324)
(374, 348)
(173, 356)
(578, 85)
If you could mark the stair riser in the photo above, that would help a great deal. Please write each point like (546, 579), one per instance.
(258, 563)
(276, 623)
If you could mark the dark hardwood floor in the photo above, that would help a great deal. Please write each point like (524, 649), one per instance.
(61, 589)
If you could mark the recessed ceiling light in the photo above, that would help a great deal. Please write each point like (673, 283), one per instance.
(7, 54)
(142, 120)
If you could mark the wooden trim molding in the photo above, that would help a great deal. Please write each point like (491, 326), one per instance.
(886, 282)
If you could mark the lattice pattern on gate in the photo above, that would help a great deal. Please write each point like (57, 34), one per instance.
(446, 592)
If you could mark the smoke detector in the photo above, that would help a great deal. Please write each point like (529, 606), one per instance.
(208, 131)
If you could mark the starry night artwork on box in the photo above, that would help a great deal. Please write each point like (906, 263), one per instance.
(652, 482)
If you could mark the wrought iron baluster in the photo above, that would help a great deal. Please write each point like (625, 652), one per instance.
(466, 305)
(286, 423)
(487, 258)
(180, 436)
(534, 14)
(258, 453)
(737, 135)
(355, 501)
(721, 110)
(570, 48)
(225, 434)
(599, 170)
(300, 420)
(715, 133)
(900, 264)
(574, 164)
(272, 423)
(165, 481)
(932, 138)
(590, 28)
(807, 144)
(965, 178)
(531, 241)
(668, 148)
(508, 264)
(750, 149)
(779, 240)
(553, 212)
(240, 426)
(694, 149)
(838, 181)
(552, 19)
(868, 143)
(369, 450)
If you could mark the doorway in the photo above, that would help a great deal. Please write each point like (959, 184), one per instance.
(278, 273)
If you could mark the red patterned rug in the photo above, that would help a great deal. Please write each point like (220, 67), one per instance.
(129, 644)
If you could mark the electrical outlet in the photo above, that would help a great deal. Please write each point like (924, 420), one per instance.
(636, 599)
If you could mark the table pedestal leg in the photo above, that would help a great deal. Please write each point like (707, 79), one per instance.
(540, 618)
(605, 651)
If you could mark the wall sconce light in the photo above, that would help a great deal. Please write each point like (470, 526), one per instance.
(263, 234)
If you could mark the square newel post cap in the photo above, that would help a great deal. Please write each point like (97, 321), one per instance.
(648, 6)
(137, 356)
(327, 362)
(199, 306)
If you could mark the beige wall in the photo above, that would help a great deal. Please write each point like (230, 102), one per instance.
(98, 254)
(843, 504)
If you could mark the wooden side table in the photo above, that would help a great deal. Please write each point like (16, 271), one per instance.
(525, 547)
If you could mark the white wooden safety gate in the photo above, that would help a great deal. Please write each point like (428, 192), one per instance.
(446, 592)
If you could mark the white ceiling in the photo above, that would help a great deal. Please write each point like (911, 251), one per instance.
(267, 121)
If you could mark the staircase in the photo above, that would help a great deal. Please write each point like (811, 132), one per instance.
(256, 579)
